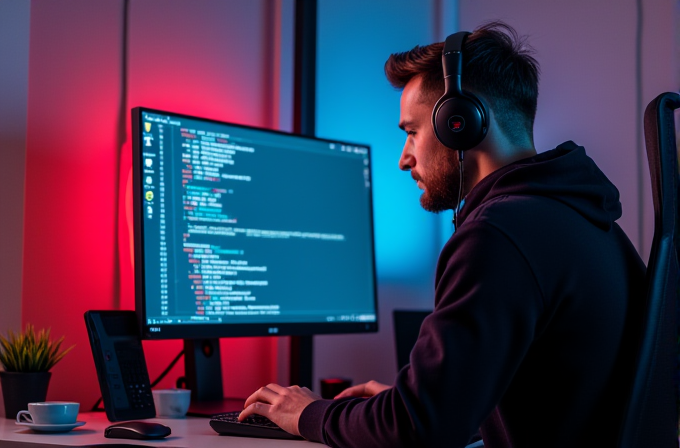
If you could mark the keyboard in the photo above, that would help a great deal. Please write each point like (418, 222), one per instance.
(253, 426)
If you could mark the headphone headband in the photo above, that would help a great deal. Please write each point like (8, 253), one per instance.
(452, 61)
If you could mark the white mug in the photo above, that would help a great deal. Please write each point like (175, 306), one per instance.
(50, 413)
(172, 403)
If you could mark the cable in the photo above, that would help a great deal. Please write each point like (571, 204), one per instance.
(121, 137)
(167, 369)
(96, 407)
(461, 176)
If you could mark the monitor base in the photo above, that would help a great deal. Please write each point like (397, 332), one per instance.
(210, 408)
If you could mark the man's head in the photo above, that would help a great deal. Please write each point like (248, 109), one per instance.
(497, 68)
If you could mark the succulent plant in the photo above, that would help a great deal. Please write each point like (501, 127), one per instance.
(30, 351)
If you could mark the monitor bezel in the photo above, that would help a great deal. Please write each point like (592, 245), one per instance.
(221, 330)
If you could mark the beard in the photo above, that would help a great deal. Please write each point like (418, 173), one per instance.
(441, 184)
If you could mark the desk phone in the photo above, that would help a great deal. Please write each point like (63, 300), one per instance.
(120, 363)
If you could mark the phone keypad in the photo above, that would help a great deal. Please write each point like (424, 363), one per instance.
(135, 377)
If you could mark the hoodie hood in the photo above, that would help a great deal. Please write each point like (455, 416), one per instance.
(565, 174)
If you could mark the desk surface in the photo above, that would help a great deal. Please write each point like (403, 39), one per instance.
(186, 432)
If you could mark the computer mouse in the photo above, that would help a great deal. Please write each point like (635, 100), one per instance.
(137, 430)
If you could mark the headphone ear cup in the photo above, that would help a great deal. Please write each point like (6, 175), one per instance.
(459, 122)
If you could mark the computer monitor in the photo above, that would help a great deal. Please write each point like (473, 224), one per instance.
(243, 231)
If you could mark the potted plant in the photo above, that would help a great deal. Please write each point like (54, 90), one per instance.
(26, 359)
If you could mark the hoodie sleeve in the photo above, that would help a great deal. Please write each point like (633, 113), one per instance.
(487, 304)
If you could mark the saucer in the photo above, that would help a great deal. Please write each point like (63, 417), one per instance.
(49, 427)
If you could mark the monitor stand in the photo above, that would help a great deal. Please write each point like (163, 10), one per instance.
(210, 408)
(203, 373)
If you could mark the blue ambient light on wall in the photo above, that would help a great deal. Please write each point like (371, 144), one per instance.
(355, 102)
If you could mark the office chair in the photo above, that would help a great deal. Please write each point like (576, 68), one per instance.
(651, 418)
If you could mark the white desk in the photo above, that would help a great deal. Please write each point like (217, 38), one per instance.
(186, 432)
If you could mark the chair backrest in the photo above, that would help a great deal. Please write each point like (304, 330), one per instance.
(406, 329)
(651, 418)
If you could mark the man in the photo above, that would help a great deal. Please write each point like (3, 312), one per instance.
(533, 332)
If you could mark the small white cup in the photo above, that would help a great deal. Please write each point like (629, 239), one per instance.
(173, 403)
(50, 413)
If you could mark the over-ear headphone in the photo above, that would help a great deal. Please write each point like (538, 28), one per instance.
(459, 118)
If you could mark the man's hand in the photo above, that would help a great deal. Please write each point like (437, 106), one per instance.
(363, 390)
(282, 405)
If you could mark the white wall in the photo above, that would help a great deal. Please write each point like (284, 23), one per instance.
(587, 52)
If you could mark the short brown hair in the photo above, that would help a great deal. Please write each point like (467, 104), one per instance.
(498, 67)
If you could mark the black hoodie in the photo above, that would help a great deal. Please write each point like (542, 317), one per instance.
(533, 331)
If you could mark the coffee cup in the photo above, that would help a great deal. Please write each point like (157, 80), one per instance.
(50, 413)
(173, 403)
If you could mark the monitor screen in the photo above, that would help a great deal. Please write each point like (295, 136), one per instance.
(241, 231)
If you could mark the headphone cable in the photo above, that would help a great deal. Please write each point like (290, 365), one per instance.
(461, 175)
